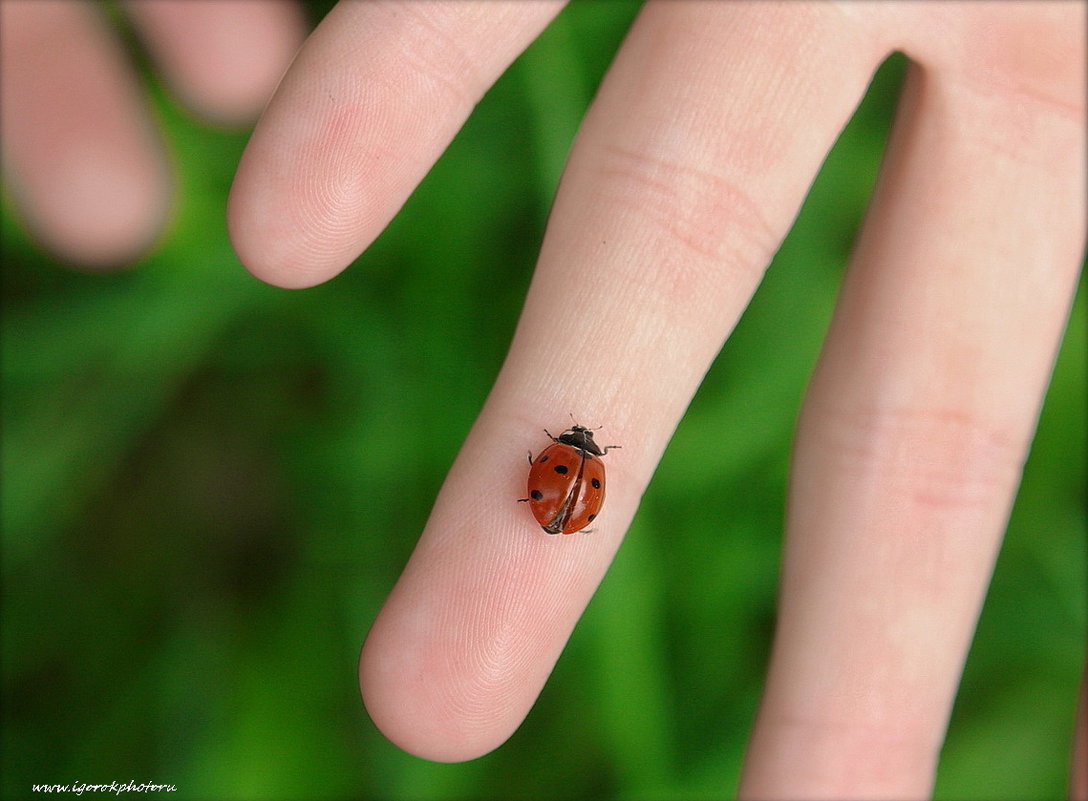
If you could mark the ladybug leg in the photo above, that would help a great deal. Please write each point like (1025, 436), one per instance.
(608, 448)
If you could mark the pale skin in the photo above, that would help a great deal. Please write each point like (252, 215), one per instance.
(684, 178)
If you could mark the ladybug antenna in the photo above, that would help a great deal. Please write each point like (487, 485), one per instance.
(584, 428)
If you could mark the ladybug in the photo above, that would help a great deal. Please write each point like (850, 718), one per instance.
(566, 481)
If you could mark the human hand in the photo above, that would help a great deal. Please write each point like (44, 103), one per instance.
(80, 152)
(686, 175)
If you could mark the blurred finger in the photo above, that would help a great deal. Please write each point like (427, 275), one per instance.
(688, 171)
(79, 153)
(913, 434)
(223, 57)
(372, 100)
(1078, 780)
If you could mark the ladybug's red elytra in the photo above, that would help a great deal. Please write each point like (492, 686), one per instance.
(566, 481)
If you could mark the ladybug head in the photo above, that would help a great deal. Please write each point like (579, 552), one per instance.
(582, 438)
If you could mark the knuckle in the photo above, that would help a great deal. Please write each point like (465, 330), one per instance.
(699, 212)
(1031, 54)
(933, 458)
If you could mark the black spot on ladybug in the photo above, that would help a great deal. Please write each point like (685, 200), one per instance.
(596, 483)
(542, 459)
(591, 518)
(561, 469)
(537, 495)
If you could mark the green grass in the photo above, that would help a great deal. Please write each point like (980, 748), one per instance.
(196, 473)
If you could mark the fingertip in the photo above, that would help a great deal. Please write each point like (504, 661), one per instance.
(85, 165)
(223, 59)
(267, 241)
(420, 707)
(103, 220)
(475, 624)
(370, 102)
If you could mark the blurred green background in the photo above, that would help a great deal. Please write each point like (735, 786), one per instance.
(210, 485)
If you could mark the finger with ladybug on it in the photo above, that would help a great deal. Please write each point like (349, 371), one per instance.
(566, 481)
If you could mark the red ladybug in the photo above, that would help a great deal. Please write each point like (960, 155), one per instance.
(566, 481)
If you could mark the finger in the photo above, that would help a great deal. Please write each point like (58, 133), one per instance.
(1078, 780)
(372, 100)
(83, 162)
(222, 57)
(912, 436)
(687, 172)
